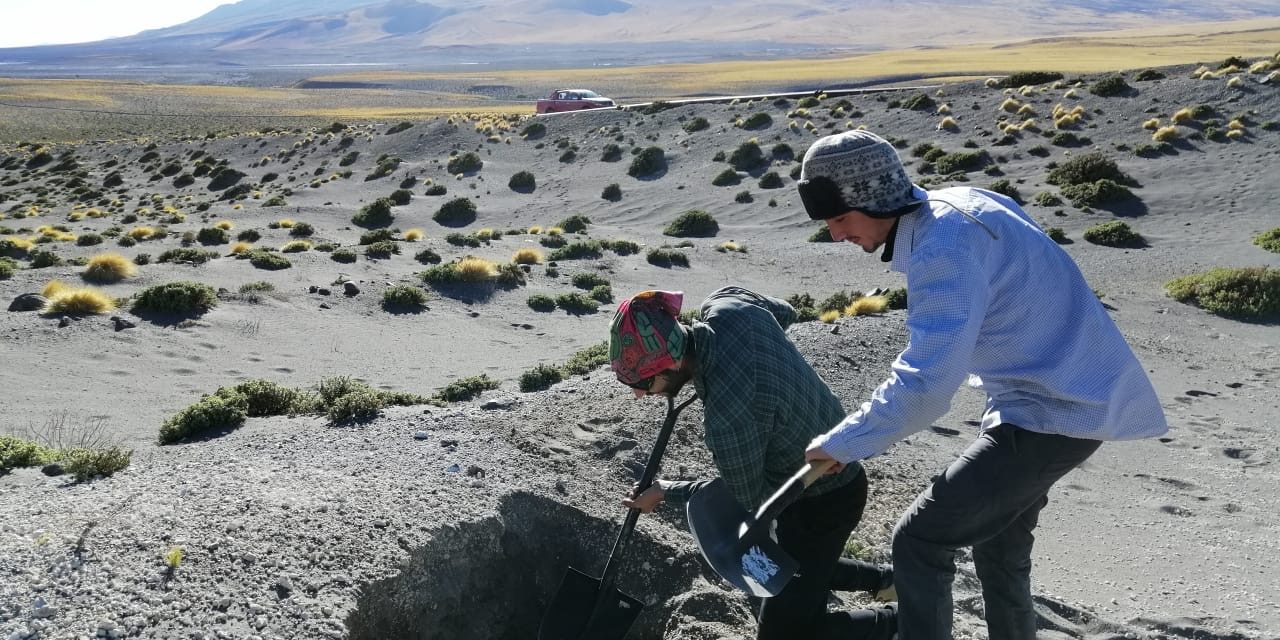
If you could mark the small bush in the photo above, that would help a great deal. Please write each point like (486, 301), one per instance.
(88, 240)
(295, 246)
(210, 414)
(377, 235)
(611, 153)
(1113, 234)
(919, 102)
(758, 120)
(542, 303)
(401, 197)
(109, 267)
(1086, 168)
(8, 266)
(177, 297)
(693, 223)
(1269, 240)
(1023, 78)
(823, 234)
(436, 190)
(381, 250)
(582, 250)
(1250, 293)
(268, 260)
(587, 280)
(522, 181)
(464, 163)
(743, 197)
(1056, 234)
(747, 156)
(612, 192)
(404, 296)
(1047, 199)
(17, 453)
(574, 224)
(375, 214)
(697, 124)
(666, 258)
(78, 302)
(727, 178)
(44, 259)
(533, 131)
(1147, 75)
(427, 256)
(1006, 188)
(361, 404)
(1096, 193)
(961, 161)
(458, 212)
(771, 180)
(540, 377)
(1109, 86)
(466, 388)
(527, 255)
(576, 303)
(346, 256)
(403, 126)
(648, 162)
(259, 397)
(622, 247)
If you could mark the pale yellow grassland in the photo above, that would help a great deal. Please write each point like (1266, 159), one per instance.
(866, 306)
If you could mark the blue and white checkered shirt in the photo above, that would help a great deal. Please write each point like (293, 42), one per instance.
(989, 294)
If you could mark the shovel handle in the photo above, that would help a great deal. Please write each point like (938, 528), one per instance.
(791, 490)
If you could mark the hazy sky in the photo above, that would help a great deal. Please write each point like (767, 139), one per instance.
(32, 22)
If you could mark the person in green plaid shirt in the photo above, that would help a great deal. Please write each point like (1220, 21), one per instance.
(762, 405)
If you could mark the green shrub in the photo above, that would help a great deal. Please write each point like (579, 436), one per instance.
(602, 293)
(533, 131)
(8, 266)
(1153, 150)
(961, 161)
(758, 120)
(464, 163)
(896, 298)
(587, 280)
(693, 223)
(1024, 78)
(664, 257)
(1069, 139)
(771, 180)
(361, 404)
(1047, 199)
(177, 297)
(541, 302)
(697, 124)
(193, 256)
(466, 388)
(823, 234)
(1006, 188)
(522, 181)
(382, 250)
(458, 212)
(1249, 293)
(576, 303)
(919, 102)
(568, 156)
(1109, 86)
(576, 223)
(622, 247)
(747, 156)
(743, 197)
(540, 378)
(213, 235)
(346, 256)
(436, 190)
(17, 453)
(386, 166)
(268, 260)
(1096, 194)
(398, 128)
(648, 162)
(42, 259)
(611, 153)
(212, 413)
(85, 463)
(553, 242)
(462, 240)
(404, 296)
(726, 178)
(581, 250)
(1056, 234)
(375, 214)
(249, 235)
(302, 230)
(612, 192)
(1269, 240)
(88, 240)
(1113, 234)
(400, 197)
(261, 397)
(1087, 168)
(587, 360)
(349, 159)
(427, 256)
(1148, 74)
(377, 235)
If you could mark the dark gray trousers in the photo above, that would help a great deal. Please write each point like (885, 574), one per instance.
(990, 499)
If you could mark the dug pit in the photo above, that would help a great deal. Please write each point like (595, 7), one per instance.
(492, 579)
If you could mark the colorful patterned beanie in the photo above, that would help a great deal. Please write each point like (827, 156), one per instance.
(645, 336)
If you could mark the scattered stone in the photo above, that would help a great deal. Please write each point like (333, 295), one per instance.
(453, 468)
(497, 403)
(52, 469)
(64, 321)
(421, 435)
(28, 302)
(835, 330)
(475, 471)
(350, 289)
(312, 289)
(324, 292)
(121, 324)
(325, 305)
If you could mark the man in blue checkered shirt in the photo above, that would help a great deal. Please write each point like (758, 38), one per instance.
(989, 298)
(762, 404)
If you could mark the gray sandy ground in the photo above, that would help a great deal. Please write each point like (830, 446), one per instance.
(294, 528)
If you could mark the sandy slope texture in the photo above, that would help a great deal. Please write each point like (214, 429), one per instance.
(1175, 537)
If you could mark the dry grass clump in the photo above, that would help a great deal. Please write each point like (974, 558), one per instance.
(1164, 134)
(1182, 115)
(829, 317)
(948, 124)
(295, 246)
(1010, 104)
(866, 305)
(241, 247)
(1235, 134)
(53, 288)
(527, 255)
(473, 269)
(285, 223)
(1236, 82)
(1151, 124)
(109, 267)
(80, 301)
(414, 235)
(225, 225)
(143, 233)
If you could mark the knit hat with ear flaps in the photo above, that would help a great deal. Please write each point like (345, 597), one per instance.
(856, 170)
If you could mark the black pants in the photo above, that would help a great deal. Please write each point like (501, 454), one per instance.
(814, 531)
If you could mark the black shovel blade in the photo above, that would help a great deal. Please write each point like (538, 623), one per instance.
(737, 546)
(578, 612)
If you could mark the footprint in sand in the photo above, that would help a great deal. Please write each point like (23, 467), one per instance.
(184, 372)
(282, 370)
(1175, 510)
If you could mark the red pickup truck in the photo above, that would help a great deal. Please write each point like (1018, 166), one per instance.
(572, 100)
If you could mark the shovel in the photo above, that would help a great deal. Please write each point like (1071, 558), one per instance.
(587, 608)
(739, 545)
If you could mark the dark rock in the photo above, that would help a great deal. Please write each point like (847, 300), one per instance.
(312, 289)
(121, 324)
(52, 469)
(325, 305)
(475, 471)
(350, 289)
(324, 292)
(64, 321)
(28, 302)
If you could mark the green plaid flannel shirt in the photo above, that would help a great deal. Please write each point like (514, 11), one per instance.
(762, 402)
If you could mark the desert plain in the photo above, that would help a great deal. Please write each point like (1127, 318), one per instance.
(453, 511)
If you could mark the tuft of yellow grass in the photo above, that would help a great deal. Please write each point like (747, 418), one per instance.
(82, 301)
(866, 306)
(19, 244)
(1200, 71)
(53, 288)
(943, 109)
(535, 230)
(1026, 110)
(554, 231)
(241, 247)
(109, 267)
(484, 235)
(948, 124)
(1181, 115)
(1164, 134)
(527, 255)
(225, 225)
(1236, 82)
(1071, 93)
(75, 216)
(473, 269)
(1011, 105)
(829, 317)
(1151, 124)
(730, 246)
(295, 246)
(142, 233)
(414, 235)
(1235, 134)
(1235, 124)
(992, 83)
(95, 213)
(1272, 78)
(285, 223)
(1261, 66)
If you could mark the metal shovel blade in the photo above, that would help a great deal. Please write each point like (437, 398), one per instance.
(570, 616)
(736, 545)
